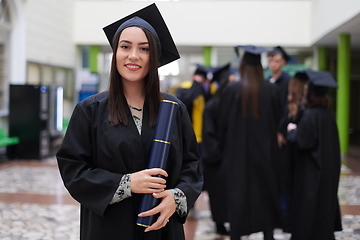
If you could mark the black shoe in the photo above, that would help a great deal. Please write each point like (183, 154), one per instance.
(221, 230)
(269, 235)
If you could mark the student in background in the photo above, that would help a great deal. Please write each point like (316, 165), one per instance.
(295, 96)
(315, 206)
(249, 114)
(213, 165)
(194, 94)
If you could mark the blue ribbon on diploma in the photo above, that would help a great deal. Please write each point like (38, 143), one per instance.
(158, 155)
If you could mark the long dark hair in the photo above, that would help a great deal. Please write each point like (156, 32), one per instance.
(118, 106)
(316, 96)
(251, 77)
(295, 96)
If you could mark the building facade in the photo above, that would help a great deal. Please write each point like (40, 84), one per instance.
(61, 43)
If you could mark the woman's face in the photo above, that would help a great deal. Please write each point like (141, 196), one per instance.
(132, 55)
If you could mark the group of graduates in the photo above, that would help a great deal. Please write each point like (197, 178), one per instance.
(103, 159)
(269, 147)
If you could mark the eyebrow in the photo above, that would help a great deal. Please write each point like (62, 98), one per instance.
(126, 41)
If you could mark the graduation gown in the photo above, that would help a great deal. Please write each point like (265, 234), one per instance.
(316, 212)
(188, 93)
(95, 155)
(193, 95)
(213, 165)
(250, 152)
(282, 84)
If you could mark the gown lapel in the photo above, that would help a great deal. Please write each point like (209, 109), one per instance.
(147, 134)
(141, 144)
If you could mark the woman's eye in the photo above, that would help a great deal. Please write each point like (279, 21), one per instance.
(124, 47)
(145, 49)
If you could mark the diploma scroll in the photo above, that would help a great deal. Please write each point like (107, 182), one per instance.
(158, 155)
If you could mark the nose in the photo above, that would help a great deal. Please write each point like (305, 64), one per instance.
(133, 54)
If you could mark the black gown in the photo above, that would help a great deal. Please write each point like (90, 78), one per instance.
(317, 165)
(188, 95)
(213, 166)
(193, 95)
(95, 155)
(282, 84)
(250, 152)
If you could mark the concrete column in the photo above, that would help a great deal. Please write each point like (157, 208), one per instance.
(207, 55)
(322, 58)
(93, 58)
(343, 91)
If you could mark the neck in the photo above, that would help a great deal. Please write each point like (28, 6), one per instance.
(134, 93)
(276, 75)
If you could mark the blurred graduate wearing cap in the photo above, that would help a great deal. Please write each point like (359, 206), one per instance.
(291, 116)
(248, 113)
(277, 58)
(104, 156)
(213, 167)
(317, 164)
(194, 94)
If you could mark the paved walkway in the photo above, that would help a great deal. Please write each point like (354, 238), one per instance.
(35, 205)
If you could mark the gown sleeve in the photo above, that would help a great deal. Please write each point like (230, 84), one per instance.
(123, 191)
(188, 95)
(92, 187)
(180, 201)
(306, 134)
(210, 148)
(190, 179)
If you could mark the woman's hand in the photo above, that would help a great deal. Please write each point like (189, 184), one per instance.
(281, 140)
(291, 126)
(166, 209)
(147, 181)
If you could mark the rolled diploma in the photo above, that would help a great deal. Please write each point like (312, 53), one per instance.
(158, 155)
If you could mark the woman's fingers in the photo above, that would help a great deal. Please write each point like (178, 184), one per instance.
(166, 209)
(160, 223)
(148, 181)
(157, 171)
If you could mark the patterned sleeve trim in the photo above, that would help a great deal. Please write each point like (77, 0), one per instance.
(123, 190)
(180, 201)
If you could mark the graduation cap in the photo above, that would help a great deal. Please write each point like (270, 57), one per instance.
(301, 75)
(203, 71)
(151, 19)
(281, 51)
(321, 78)
(221, 73)
(320, 81)
(252, 54)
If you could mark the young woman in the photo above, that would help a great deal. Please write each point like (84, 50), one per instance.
(295, 96)
(213, 166)
(104, 155)
(315, 206)
(250, 111)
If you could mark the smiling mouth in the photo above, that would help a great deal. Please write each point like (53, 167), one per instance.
(132, 66)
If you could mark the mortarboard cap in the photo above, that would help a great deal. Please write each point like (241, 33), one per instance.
(252, 54)
(321, 78)
(281, 51)
(203, 71)
(301, 75)
(320, 81)
(151, 19)
(221, 73)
